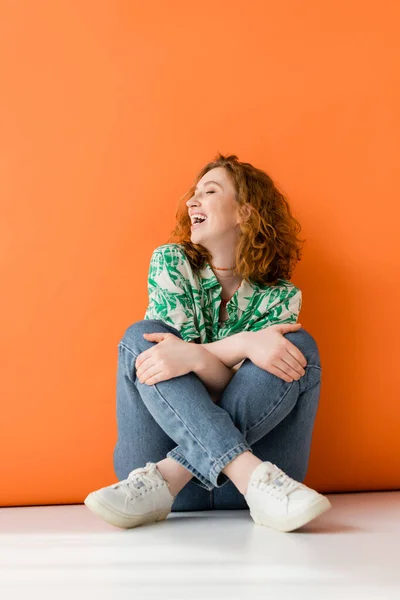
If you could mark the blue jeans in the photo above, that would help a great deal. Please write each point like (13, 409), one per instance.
(257, 411)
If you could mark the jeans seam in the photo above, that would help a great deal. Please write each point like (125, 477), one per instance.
(220, 465)
(219, 461)
(128, 349)
(182, 460)
(182, 421)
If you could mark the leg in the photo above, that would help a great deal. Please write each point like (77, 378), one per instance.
(252, 424)
(141, 439)
(285, 402)
(287, 413)
(270, 418)
(184, 410)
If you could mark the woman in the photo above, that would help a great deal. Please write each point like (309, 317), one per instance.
(218, 386)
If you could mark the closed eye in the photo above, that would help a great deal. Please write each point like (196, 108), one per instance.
(210, 192)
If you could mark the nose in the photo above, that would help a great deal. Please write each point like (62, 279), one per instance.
(192, 201)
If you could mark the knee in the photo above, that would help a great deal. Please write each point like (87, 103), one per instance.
(133, 336)
(307, 345)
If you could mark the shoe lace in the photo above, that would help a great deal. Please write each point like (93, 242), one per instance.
(278, 483)
(143, 477)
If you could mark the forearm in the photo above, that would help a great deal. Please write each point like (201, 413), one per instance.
(230, 350)
(212, 371)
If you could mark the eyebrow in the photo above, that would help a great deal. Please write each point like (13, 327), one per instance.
(207, 182)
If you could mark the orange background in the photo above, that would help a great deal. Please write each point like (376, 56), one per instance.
(107, 111)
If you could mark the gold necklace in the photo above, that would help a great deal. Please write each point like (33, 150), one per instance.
(222, 268)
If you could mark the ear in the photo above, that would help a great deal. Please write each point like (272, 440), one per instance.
(245, 213)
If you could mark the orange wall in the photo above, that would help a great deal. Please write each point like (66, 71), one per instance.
(107, 111)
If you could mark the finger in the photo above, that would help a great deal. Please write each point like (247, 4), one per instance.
(290, 325)
(287, 327)
(155, 378)
(142, 362)
(294, 351)
(279, 373)
(145, 366)
(144, 356)
(145, 372)
(281, 364)
(154, 337)
(293, 362)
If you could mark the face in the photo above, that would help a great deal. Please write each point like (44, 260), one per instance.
(215, 198)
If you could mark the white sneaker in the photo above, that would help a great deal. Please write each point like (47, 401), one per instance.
(278, 501)
(144, 497)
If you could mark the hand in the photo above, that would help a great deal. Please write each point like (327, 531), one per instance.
(271, 351)
(171, 357)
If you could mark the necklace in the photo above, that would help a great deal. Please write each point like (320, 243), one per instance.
(222, 268)
(225, 302)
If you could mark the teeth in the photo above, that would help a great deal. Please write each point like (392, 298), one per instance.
(199, 217)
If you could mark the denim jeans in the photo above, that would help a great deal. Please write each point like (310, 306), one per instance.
(177, 418)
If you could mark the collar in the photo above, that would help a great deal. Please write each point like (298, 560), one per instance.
(245, 292)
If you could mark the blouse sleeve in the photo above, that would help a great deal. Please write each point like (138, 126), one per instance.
(169, 300)
(284, 305)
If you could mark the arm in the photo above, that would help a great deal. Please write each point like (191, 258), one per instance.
(230, 350)
(210, 368)
(284, 308)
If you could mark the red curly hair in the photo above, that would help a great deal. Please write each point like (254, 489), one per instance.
(268, 248)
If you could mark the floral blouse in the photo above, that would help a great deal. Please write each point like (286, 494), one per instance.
(191, 302)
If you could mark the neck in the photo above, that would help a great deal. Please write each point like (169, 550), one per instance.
(223, 263)
(223, 254)
(226, 278)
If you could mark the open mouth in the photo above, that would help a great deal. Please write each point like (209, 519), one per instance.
(198, 223)
(195, 225)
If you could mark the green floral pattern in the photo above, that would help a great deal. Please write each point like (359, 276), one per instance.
(191, 302)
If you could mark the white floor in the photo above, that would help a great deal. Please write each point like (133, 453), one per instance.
(350, 552)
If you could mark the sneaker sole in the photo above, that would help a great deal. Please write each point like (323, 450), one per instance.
(118, 519)
(294, 521)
